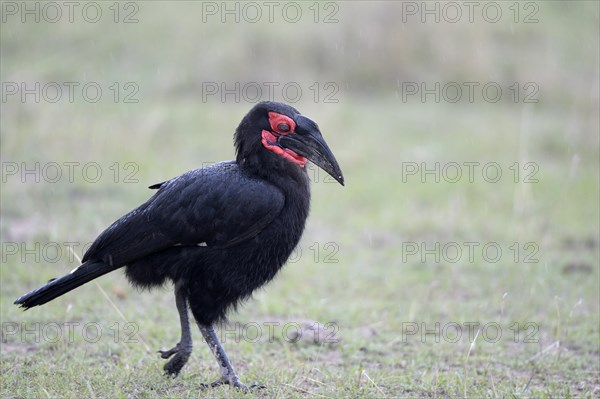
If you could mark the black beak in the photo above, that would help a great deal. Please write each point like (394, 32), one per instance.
(308, 142)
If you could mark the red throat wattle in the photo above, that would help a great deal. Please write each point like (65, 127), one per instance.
(281, 125)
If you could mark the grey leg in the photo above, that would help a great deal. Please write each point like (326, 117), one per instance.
(228, 376)
(183, 349)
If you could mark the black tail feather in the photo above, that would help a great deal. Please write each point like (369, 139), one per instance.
(57, 287)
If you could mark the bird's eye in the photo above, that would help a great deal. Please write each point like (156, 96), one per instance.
(281, 124)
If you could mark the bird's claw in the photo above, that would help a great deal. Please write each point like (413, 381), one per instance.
(167, 354)
(235, 382)
(257, 386)
(174, 366)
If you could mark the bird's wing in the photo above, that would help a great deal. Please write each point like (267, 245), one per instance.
(216, 206)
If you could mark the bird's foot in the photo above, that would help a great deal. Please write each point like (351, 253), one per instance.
(170, 352)
(234, 382)
(174, 366)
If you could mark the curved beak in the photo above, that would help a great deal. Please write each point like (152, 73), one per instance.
(308, 142)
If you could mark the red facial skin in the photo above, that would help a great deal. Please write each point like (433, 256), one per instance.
(279, 124)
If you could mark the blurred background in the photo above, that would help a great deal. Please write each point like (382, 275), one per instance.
(468, 134)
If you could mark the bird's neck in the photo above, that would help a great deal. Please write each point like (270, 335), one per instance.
(291, 179)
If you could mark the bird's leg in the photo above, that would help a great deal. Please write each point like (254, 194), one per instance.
(183, 349)
(228, 376)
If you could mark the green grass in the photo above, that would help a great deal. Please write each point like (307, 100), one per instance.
(352, 269)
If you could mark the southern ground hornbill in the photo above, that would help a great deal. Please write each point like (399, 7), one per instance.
(218, 232)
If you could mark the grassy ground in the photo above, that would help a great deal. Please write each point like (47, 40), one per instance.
(402, 314)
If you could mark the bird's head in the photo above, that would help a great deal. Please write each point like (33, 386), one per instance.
(274, 132)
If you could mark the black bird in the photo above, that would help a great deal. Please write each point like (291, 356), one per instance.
(218, 233)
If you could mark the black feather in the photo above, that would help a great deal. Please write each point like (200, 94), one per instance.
(59, 286)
